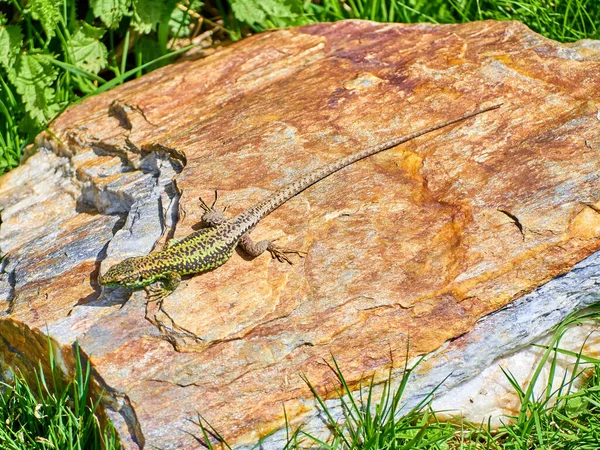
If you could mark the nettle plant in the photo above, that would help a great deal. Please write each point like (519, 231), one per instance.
(53, 52)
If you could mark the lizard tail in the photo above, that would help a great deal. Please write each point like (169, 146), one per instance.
(249, 218)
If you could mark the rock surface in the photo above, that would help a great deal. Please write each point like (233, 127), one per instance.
(419, 242)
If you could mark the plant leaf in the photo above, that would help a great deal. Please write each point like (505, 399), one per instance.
(147, 13)
(33, 76)
(10, 45)
(270, 13)
(248, 11)
(48, 13)
(110, 12)
(87, 52)
(576, 406)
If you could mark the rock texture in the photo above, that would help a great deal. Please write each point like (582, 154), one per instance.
(418, 243)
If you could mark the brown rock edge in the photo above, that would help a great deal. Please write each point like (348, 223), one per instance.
(415, 243)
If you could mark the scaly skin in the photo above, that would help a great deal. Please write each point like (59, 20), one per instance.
(210, 248)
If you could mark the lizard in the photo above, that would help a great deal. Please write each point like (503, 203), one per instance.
(210, 247)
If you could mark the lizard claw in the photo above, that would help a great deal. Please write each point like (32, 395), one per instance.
(157, 293)
(204, 205)
(210, 208)
(281, 254)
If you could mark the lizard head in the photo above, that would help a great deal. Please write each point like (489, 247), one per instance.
(129, 273)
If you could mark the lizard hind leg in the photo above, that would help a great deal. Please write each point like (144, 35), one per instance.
(212, 217)
(255, 249)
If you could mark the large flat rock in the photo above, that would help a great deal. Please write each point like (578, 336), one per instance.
(417, 243)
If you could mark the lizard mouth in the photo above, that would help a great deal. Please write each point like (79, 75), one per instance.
(109, 279)
(104, 281)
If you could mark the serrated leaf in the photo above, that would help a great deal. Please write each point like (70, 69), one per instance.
(110, 12)
(10, 45)
(248, 11)
(269, 13)
(48, 13)
(280, 9)
(147, 13)
(33, 77)
(87, 52)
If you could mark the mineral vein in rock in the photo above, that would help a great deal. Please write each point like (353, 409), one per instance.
(211, 247)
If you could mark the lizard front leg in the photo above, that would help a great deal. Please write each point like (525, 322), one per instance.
(255, 249)
(158, 292)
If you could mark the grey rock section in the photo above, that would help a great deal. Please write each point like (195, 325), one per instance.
(505, 331)
(49, 223)
(138, 205)
(28, 227)
(150, 214)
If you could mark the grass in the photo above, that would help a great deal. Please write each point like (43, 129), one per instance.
(52, 416)
(56, 52)
(558, 418)
(562, 20)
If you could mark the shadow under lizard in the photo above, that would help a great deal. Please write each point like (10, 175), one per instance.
(209, 248)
